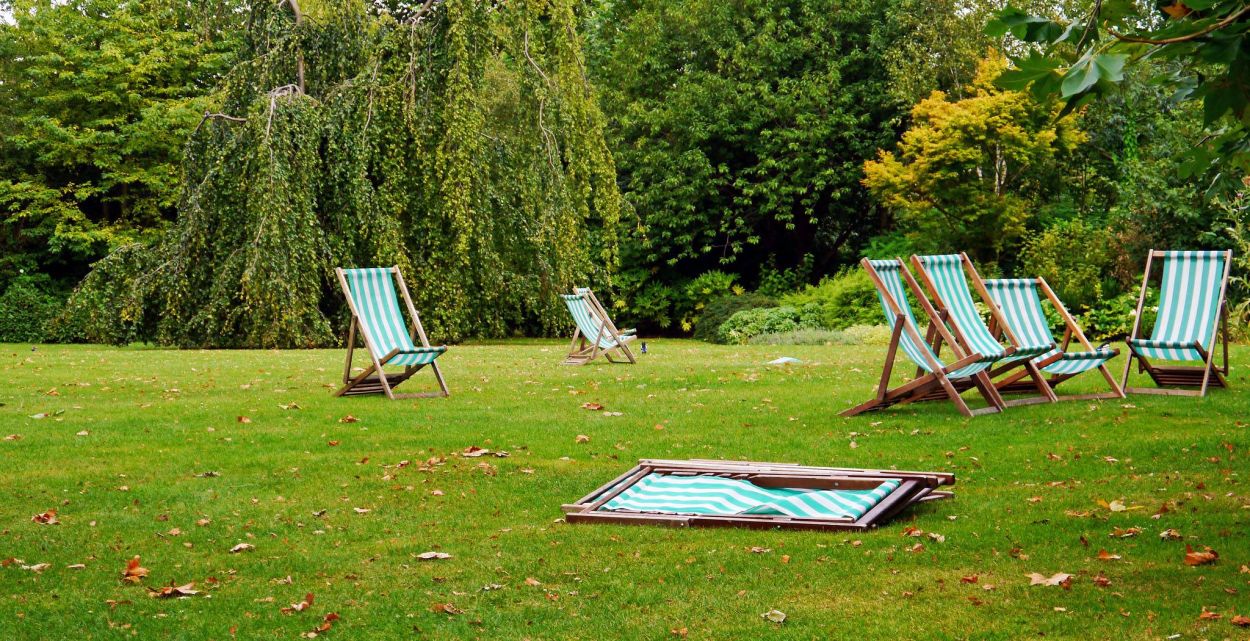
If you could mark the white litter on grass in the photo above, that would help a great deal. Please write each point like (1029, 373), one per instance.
(785, 360)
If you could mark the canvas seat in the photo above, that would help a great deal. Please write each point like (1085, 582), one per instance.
(376, 317)
(946, 277)
(1192, 316)
(1020, 304)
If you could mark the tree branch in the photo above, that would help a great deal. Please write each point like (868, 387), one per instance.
(1230, 19)
(208, 115)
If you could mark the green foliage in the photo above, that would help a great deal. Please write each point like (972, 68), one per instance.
(968, 174)
(767, 320)
(1112, 318)
(464, 147)
(1076, 259)
(1204, 44)
(705, 288)
(740, 129)
(99, 97)
(718, 311)
(112, 305)
(845, 299)
(27, 307)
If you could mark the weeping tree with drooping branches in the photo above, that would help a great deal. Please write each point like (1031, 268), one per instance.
(457, 139)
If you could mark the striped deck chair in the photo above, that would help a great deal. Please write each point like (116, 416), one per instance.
(1021, 305)
(944, 277)
(595, 334)
(934, 379)
(756, 495)
(1191, 306)
(375, 313)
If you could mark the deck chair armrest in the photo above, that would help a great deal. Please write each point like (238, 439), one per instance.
(629, 331)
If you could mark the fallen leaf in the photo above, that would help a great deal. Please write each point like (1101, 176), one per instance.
(1101, 580)
(582, 438)
(290, 406)
(1194, 557)
(242, 547)
(134, 573)
(349, 419)
(529, 580)
(679, 632)
(755, 549)
(1170, 535)
(1125, 533)
(1240, 621)
(299, 607)
(332, 443)
(971, 578)
(174, 532)
(430, 556)
(37, 568)
(474, 451)
(776, 616)
(13, 437)
(1061, 579)
(361, 510)
(46, 518)
(76, 566)
(327, 622)
(1208, 615)
(1104, 555)
(594, 407)
(172, 591)
(203, 522)
(244, 419)
(446, 608)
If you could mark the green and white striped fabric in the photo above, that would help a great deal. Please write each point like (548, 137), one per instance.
(587, 321)
(888, 271)
(377, 307)
(1021, 306)
(709, 494)
(947, 273)
(1188, 306)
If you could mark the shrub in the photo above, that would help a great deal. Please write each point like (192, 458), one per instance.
(27, 307)
(1113, 318)
(766, 320)
(109, 304)
(848, 298)
(705, 288)
(718, 311)
(804, 337)
(1077, 259)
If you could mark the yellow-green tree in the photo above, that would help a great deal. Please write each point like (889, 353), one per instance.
(968, 174)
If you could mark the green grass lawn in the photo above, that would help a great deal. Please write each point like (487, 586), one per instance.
(142, 444)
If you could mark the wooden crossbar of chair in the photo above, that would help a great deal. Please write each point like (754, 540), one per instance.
(375, 379)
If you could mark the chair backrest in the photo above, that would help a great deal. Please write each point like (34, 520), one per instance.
(946, 274)
(376, 306)
(1021, 306)
(892, 293)
(1190, 295)
(587, 318)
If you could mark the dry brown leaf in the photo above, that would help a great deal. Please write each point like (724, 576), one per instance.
(134, 573)
(46, 518)
(1240, 621)
(594, 407)
(172, 591)
(1170, 535)
(299, 607)
(242, 547)
(581, 438)
(243, 419)
(529, 580)
(37, 567)
(971, 578)
(1060, 579)
(431, 556)
(1125, 533)
(13, 437)
(361, 510)
(349, 419)
(1203, 557)
(332, 443)
(1104, 555)
(755, 549)
(1101, 580)
(1208, 615)
(446, 608)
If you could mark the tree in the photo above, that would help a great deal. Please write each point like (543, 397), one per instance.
(99, 97)
(461, 143)
(968, 173)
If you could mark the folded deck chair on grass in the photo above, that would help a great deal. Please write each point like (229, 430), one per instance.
(595, 333)
(1020, 304)
(755, 495)
(946, 278)
(1192, 316)
(934, 379)
(388, 339)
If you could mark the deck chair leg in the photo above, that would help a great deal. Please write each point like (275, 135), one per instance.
(1040, 381)
(438, 374)
(351, 347)
(988, 390)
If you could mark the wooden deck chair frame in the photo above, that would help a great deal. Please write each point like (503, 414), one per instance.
(916, 487)
(584, 349)
(375, 379)
(935, 384)
(1072, 331)
(1044, 393)
(1169, 378)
